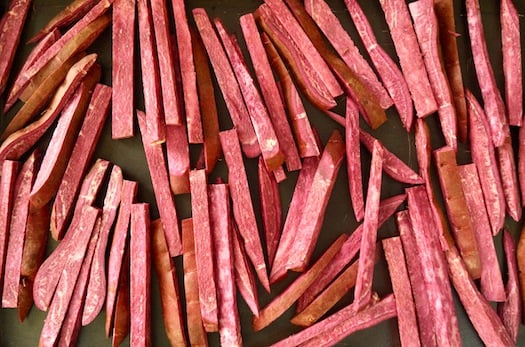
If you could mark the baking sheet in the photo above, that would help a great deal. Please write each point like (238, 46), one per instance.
(339, 218)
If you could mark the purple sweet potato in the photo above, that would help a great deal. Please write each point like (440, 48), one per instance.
(178, 156)
(353, 159)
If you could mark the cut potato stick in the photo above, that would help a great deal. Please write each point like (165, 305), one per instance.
(266, 137)
(160, 181)
(392, 165)
(89, 134)
(204, 250)
(491, 280)
(511, 49)
(227, 83)
(353, 159)
(485, 160)
(189, 73)
(510, 310)
(509, 179)
(444, 10)
(89, 224)
(521, 163)
(7, 199)
(244, 277)
(17, 231)
(168, 286)
(341, 324)
(117, 251)
(284, 300)
(348, 251)
(242, 204)
(122, 73)
(391, 76)
(68, 15)
(493, 102)
(405, 42)
(151, 82)
(122, 320)
(12, 27)
(37, 230)
(345, 47)
(229, 324)
(139, 272)
(312, 216)
(433, 268)
(196, 333)
(365, 271)
(520, 257)
(178, 156)
(457, 209)
(208, 106)
(61, 144)
(406, 314)
(481, 314)
(270, 92)
(96, 288)
(427, 31)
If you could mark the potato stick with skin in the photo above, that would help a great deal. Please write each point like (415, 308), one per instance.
(122, 319)
(512, 70)
(521, 163)
(353, 159)
(123, 54)
(270, 92)
(491, 280)
(493, 102)
(284, 300)
(244, 277)
(444, 10)
(509, 179)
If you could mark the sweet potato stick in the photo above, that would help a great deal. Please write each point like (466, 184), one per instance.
(509, 179)
(345, 47)
(485, 160)
(510, 310)
(270, 148)
(196, 333)
(139, 271)
(189, 70)
(350, 248)
(208, 106)
(392, 165)
(160, 181)
(270, 92)
(244, 277)
(481, 314)
(151, 81)
(433, 268)
(47, 41)
(7, 199)
(406, 314)
(353, 159)
(178, 156)
(341, 324)
(365, 271)
(12, 27)
(242, 204)
(89, 134)
(117, 251)
(96, 288)
(284, 300)
(521, 163)
(426, 28)
(493, 103)
(68, 15)
(405, 41)
(444, 10)
(37, 230)
(491, 280)
(511, 49)
(61, 144)
(227, 83)
(520, 258)
(168, 287)
(122, 320)
(17, 231)
(457, 209)
(204, 250)
(123, 55)
(312, 216)
(391, 76)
